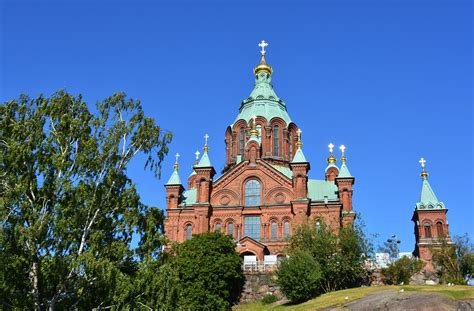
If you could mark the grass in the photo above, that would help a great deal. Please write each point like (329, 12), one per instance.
(338, 298)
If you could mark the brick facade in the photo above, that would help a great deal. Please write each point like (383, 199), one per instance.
(282, 196)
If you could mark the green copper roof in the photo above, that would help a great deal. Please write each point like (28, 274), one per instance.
(428, 199)
(205, 161)
(284, 170)
(344, 171)
(263, 102)
(188, 197)
(319, 190)
(299, 157)
(174, 179)
(332, 165)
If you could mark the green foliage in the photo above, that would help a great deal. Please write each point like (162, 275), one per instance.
(269, 298)
(341, 256)
(299, 276)
(454, 261)
(205, 274)
(67, 207)
(401, 270)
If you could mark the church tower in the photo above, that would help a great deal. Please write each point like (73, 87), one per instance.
(431, 225)
(264, 190)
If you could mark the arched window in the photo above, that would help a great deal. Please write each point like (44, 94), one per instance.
(318, 225)
(286, 229)
(252, 193)
(427, 231)
(189, 231)
(274, 230)
(276, 150)
(230, 229)
(242, 141)
(259, 129)
(218, 227)
(439, 229)
(290, 149)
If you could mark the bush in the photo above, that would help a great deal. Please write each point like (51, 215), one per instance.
(341, 255)
(269, 298)
(401, 270)
(299, 276)
(205, 274)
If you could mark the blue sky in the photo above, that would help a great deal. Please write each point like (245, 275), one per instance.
(392, 80)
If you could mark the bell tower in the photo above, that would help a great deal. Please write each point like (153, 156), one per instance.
(431, 225)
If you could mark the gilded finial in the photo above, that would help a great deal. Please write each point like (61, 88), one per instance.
(424, 173)
(343, 157)
(254, 131)
(299, 143)
(331, 158)
(263, 65)
(206, 148)
(176, 165)
(197, 153)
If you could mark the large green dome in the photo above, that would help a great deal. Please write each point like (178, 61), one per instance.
(263, 101)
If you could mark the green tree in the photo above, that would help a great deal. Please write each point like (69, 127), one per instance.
(299, 276)
(340, 255)
(67, 207)
(205, 274)
(454, 261)
(401, 270)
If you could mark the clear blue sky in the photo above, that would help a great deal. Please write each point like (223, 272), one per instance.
(392, 80)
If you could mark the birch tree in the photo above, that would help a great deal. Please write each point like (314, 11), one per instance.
(68, 210)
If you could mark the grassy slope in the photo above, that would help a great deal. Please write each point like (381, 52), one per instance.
(338, 298)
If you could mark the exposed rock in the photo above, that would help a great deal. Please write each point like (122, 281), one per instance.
(257, 285)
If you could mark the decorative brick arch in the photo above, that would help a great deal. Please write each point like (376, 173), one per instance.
(272, 196)
(225, 197)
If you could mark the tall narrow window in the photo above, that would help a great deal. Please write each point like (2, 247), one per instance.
(252, 227)
(286, 229)
(230, 229)
(427, 231)
(259, 129)
(252, 193)
(189, 232)
(276, 150)
(439, 230)
(218, 227)
(274, 230)
(290, 146)
(318, 225)
(242, 141)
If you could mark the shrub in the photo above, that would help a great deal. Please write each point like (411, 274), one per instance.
(269, 298)
(341, 255)
(205, 274)
(299, 276)
(401, 270)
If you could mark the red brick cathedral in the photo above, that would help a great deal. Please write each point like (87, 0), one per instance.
(264, 190)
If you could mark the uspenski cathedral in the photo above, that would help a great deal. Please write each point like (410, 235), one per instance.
(264, 191)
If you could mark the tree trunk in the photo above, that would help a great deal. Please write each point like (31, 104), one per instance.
(34, 284)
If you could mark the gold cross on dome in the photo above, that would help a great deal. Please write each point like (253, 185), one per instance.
(263, 44)
(422, 162)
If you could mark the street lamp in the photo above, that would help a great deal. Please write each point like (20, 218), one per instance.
(393, 247)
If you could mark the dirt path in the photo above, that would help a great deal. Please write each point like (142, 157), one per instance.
(393, 300)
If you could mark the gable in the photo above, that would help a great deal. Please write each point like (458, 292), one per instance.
(276, 187)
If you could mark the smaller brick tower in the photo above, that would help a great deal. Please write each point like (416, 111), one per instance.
(431, 225)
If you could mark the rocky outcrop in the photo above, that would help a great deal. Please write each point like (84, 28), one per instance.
(258, 284)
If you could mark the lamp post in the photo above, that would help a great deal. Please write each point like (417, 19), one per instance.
(393, 247)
